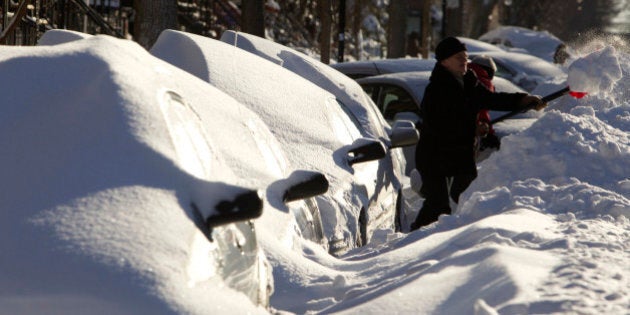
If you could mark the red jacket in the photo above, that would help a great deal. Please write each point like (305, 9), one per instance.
(484, 78)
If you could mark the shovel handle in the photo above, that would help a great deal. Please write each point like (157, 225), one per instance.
(545, 99)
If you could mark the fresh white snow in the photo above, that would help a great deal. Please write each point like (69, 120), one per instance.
(93, 221)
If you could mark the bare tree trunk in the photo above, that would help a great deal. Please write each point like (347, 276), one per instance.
(397, 28)
(253, 17)
(357, 18)
(152, 17)
(478, 20)
(426, 39)
(325, 16)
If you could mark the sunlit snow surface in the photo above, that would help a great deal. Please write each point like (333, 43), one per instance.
(543, 229)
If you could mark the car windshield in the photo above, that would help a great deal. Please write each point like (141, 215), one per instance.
(349, 129)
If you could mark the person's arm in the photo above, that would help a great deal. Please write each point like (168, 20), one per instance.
(508, 102)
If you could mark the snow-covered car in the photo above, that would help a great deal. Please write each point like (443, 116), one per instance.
(478, 46)
(118, 196)
(400, 94)
(541, 44)
(366, 68)
(360, 108)
(60, 36)
(524, 70)
(312, 126)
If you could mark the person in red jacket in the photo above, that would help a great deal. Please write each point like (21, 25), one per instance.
(484, 67)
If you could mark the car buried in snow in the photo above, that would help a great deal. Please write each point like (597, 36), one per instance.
(366, 68)
(541, 44)
(313, 127)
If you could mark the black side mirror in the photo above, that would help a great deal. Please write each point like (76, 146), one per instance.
(245, 206)
(404, 133)
(410, 116)
(304, 184)
(365, 150)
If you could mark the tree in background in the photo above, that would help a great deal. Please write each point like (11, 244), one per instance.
(565, 19)
(396, 31)
(325, 15)
(479, 20)
(253, 17)
(152, 17)
(377, 28)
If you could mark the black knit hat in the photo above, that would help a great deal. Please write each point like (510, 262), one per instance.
(448, 47)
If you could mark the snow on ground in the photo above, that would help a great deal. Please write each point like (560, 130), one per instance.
(92, 214)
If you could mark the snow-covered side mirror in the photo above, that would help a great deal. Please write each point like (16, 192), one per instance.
(404, 133)
(244, 206)
(365, 150)
(304, 184)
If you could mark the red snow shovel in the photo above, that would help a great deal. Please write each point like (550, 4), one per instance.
(545, 99)
(579, 71)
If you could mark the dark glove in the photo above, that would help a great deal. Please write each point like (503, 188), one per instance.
(490, 141)
(532, 101)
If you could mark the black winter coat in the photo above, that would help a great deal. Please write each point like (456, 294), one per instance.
(449, 113)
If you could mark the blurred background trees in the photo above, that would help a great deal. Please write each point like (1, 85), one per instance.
(374, 28)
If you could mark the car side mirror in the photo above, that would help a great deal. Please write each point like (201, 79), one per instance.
(245, 206)
(304, 184)
(403, 123)
(365, 150)
(404, 133)
(410, 116)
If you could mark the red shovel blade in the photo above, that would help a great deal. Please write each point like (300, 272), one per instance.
(577, 95)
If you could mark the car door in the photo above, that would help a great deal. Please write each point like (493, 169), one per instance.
(233, 248)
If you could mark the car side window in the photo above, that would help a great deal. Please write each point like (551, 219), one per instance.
(504, 72)
(394, 99)
(370, 90)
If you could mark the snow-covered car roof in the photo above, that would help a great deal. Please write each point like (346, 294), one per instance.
(100, 180)
(60, 36)
(322, 75)
(474, 45)
(538, 43)
(363, 68)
